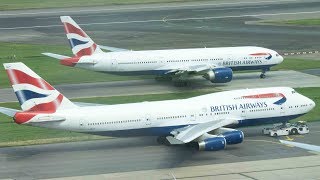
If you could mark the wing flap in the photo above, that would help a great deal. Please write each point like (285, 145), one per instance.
(186, 69)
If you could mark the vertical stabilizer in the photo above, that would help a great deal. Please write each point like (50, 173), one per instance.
(80, 42)
(34, 93)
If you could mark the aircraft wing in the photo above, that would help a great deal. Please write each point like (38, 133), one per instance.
(186, 69)
(192, 132)
(113, 49)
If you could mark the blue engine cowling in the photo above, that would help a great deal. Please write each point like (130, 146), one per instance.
(233, 137)
(212, 144)
(219, 75)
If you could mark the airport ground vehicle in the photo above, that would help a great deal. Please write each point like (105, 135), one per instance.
(285, 129)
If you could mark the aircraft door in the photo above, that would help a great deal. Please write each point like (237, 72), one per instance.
(114, 64)
(243, 114)
(148, 120)
(282, 110)
(193, 117)
(82, 124)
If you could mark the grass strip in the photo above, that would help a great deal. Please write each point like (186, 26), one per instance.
(39, 4)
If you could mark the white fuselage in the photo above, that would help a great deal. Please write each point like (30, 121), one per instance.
(161, 117)
(161, 61)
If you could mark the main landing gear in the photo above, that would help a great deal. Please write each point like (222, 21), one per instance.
(263, 73)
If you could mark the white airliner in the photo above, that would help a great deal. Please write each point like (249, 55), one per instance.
(214, 64)
(200, 120)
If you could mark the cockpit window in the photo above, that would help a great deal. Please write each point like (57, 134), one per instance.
(277, 55)
(293, 92)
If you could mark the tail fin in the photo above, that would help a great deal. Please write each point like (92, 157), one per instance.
(34, 93)
(80, 42)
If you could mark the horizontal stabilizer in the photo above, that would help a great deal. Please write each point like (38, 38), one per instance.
(84, 104)
(113, 49)
(56, 56)
(8, 111)
(48, 118)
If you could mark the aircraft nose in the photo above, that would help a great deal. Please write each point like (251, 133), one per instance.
(280, 59)
(312, 104)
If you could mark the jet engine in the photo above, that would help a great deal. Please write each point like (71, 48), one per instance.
(232, 136)
(212, 144)
(219, 75)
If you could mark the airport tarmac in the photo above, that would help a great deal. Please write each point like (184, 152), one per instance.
(178, 25)
(149, 86)
(125, 155)
(197, 25)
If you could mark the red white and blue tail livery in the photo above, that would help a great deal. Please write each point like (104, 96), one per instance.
(201, 120)
(80, 42)
(34, 94)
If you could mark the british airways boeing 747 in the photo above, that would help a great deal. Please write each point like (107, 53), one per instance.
(214, 64)
(204, 120)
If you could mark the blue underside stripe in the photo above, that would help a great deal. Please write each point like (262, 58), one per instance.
(165, 131)
(163, 72)
(25, 95)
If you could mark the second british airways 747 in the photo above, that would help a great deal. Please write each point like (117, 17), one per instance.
(214, 64)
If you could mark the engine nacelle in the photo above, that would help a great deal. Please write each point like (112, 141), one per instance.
(212, 144)
(233, 137)
(219, 75)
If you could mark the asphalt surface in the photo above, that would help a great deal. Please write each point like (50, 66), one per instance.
(142, 27)
(200, 24)
(142, 153)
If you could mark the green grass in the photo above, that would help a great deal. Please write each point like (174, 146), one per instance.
(314, 94)
(36, 4)
(297, 64)
(302, 22)
(49, 68)
(13, 134)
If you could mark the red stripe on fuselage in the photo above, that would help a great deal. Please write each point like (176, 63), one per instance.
(69, 28)
(268, 95)
(260, 54)
(19, 77)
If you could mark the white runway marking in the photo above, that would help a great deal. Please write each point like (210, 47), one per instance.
(222, 9)
(302, 145)
(148, 7)
(169, 19)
